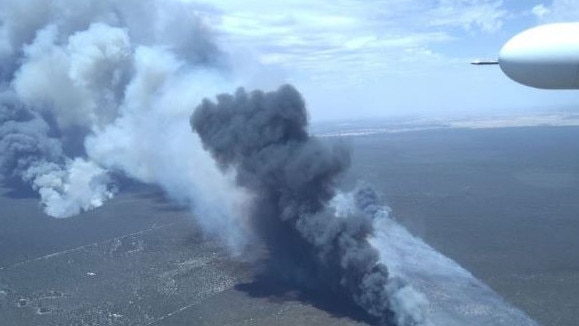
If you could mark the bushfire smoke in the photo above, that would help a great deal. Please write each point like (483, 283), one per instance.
(291, 176)
(92, 89)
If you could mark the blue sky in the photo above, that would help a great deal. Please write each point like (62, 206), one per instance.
(374, 58)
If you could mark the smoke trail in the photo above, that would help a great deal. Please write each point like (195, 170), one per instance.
(263, 137)
(425, 287)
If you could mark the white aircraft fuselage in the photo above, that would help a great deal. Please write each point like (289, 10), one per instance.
(545, 57)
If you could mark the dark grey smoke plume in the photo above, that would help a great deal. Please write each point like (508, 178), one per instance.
(264, 138)
(24, 138)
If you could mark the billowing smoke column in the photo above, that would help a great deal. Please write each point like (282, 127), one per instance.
(263, 137)
(92, 88)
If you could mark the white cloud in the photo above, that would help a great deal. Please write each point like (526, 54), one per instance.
(557, 11)
(540, 11)
(486, 16)
(345, 53)
(349, 41)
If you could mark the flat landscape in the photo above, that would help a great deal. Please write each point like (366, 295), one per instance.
(502, 202)
(137, 261)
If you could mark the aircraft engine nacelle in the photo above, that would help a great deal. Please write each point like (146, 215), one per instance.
(546, 57)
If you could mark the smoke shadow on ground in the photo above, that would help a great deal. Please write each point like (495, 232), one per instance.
(273, 288)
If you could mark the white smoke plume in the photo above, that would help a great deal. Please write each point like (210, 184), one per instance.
(68, 189)
(410, 306)
(424, 286)
(95, 88)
